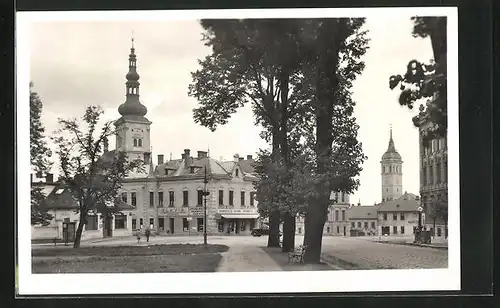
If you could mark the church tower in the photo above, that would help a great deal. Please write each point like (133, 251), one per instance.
(132, 128)
(392, 173)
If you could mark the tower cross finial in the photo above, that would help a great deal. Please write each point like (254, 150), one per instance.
(390, 130)
(132, 38)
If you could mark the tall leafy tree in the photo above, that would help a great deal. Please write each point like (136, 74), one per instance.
(39, 158)
(253, 61)
(92, 175)
(426, 83)
(335, 47)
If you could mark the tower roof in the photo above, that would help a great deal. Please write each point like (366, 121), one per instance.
(132, 108)
(391, 152)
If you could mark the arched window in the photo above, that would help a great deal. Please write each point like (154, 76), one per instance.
(140, 143)
(135, 142)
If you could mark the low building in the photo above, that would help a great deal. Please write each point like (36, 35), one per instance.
(337, 223)
(363, 220)
(398, 217)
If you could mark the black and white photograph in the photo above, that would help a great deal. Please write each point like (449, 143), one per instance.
(224, 151)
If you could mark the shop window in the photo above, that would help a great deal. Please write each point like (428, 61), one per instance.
(134, 224)
(141, 223)
(359, 224)
(161, 223)
(185, 224)
(199, 223)
(394, 230)
(243, 226)
(353, 225)
(120, 222)
(133, 197)
(151, 222)
(91, 223)
(432, 231)
(439, 231)
(402, 229)
(221, 226)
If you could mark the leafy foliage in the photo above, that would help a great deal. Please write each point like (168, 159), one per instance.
(427, 82)
(39, 158)
(92, 175)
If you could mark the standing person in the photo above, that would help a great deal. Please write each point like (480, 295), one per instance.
(148, 233)
(138, 235)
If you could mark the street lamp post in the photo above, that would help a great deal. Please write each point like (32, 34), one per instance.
(205, 194)
(419, 231)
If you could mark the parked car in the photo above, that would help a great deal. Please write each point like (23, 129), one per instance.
(261, 231)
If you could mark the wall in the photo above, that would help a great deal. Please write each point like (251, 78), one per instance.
(367, 230)
(410, 221)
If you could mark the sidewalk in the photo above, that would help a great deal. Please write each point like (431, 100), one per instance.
(247, 259)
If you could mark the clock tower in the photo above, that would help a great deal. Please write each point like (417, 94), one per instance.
(132, 128)
(392, 172)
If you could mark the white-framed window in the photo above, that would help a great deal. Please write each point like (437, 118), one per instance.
(120, 221)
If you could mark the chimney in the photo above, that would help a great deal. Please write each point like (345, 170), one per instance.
(106, 144)
(160, 159)
(202, 154)
(186, 157)
(242, 158)
(249, 157)
(49, 178)
(236, 157)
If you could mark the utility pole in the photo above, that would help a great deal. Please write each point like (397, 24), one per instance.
(205, 195)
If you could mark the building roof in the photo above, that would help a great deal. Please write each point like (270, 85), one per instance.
(391, 153)
(408, 202)
(362, 212)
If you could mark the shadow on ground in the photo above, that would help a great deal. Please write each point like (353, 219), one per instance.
(281, 258)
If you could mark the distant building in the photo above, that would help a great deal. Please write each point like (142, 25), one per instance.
(392, 172)
(363, 220)
(399, 216)
(433, 177)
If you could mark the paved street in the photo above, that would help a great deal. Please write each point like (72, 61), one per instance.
(359, 251)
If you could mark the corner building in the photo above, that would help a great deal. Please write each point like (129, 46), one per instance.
(168, 196)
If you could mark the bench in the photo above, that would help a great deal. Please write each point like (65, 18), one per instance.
(297, 256)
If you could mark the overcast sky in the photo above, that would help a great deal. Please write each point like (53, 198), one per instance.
(75, 64)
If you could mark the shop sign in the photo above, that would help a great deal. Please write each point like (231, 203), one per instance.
(237, 211)
(412, 221)
(196, 211)
(174, 211)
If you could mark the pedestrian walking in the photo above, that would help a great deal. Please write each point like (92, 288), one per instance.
(148, 233)
(138, 235)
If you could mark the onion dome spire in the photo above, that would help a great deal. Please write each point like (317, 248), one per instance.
(132, 105)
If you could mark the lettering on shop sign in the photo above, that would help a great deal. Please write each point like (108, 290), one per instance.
(412, 221)
(236, 211)
(174, 210)
(197, 211)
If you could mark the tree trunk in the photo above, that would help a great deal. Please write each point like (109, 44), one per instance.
(314, 234)
(288, 233)
(79, 230)
(274, 228)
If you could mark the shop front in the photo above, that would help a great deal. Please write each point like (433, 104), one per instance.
(184, 220)
(236, 221)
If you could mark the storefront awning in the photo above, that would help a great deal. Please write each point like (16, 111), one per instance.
(240, 216)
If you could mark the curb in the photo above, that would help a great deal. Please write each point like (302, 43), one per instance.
(412, 244)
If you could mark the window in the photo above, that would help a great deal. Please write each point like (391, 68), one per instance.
(133, 196)
(394, 230)
(243, 226)
(300, 230)
(160, 199)
(366, 225)
(171, 198)
(394, 216)
(424, 175)
(141, 223)
(353, 225)
(252, 198)
(191, 170)
(185, 195)
(221, 226)
(343, 215)
(172, 225)
(338, 230)
(200, 197)
(445, 171)
(242, 198)
(373, 225)
(199, 223)
(431, 175)
(438, 173)
(231, 197)
(237, 172)
(439, 231)
(134, 224)
(185, 224)
(135, 142)
(151, 199)
(161, 223)
(359, 224)
(336, 197)
(402, 216)
(221, 197)
(414, 230)
(343, 197)
(336, 215)
(124, 197)
(120, 222)
(151, 222)
(91, 223)
(402, 229)
(385, 216)
(139, 143)
(327, 229)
